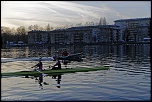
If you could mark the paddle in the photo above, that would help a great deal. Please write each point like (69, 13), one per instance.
(39, 71)
(50, 66)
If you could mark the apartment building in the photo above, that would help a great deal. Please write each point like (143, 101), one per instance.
(134, 29)
(37, 37)
(76, 35)
(108, 34)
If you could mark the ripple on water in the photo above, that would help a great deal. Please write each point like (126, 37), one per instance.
(129, 78)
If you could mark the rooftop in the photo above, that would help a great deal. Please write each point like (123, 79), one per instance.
(135, 19)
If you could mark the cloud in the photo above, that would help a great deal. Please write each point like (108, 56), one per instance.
(60, 13)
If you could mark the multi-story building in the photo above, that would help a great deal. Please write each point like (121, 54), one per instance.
(108, 34)
(37, 37)
(76, 35)
(134, 29)
(57, 36)
(123, 30)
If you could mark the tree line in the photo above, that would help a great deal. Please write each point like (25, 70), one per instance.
(20, 33)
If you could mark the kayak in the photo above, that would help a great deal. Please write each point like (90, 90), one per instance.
(53, 72)
(72, 57)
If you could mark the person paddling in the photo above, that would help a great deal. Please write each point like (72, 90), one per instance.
(58, 64)
(65, 53)
(39, 65)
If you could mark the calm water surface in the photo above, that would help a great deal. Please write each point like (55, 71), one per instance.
(129, 77)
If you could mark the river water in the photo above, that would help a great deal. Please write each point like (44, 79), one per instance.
(129, 77)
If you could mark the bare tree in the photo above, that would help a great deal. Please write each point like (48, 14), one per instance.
(6, 35)
(101, 21)
(21, 34)
(87, 23)
(48, 28)
(13, 31)
(92, 23)
(36, 27)
(104, 21)
(6, 30)
(30, 28)
(52, 28)
(78, 24)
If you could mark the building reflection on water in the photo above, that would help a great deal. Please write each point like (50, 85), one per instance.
(132, 51)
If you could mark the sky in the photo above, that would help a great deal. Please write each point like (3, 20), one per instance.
(61, 13)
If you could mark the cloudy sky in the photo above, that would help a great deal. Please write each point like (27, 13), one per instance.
(61, 13)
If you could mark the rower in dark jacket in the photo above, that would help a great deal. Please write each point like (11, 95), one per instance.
(65, 53)
(39, 65)
(58, 64)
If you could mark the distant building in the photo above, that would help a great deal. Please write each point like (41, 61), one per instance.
(134, 29)
(37, 37)
(124, 30)
(76, 35)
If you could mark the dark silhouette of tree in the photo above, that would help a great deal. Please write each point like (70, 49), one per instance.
(30, 28)
(78, 24)
(87, 23)
(48, 28)
(36, 27)
(6, 35)
(21, 34)
(102, 21)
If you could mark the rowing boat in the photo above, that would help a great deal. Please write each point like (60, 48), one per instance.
(72, 57)
(53, 72)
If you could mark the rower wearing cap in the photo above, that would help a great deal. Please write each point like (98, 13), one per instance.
(39, 65)
(58, 64)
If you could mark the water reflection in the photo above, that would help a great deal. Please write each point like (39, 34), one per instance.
(129, 76)
(58, 77)
(132, 51)
(117, 56)
(40, 81)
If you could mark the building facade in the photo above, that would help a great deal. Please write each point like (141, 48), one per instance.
(76, 35)
(124, 30)
(134, 29)
(37, 37)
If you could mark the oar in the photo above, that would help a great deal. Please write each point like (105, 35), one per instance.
(33, 66)
(50, 67)
(40, 71)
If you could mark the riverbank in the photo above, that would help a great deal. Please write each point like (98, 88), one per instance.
(48, 45)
